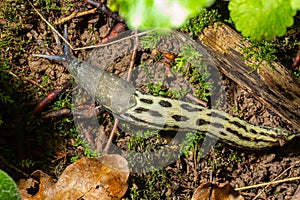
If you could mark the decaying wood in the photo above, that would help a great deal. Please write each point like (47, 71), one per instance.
(276, 88)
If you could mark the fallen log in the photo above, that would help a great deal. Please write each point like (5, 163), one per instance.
(275, 87)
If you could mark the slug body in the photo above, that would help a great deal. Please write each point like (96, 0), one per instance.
(130, 105)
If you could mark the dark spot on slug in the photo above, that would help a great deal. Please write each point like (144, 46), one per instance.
(217, 125)
(155, 113)
(175, 127)
(180, 118)
(200, 122)
(238, 124)
(234, 132)
(172, 128)
(136, 118)
(252, 138)
(147, 101)
(151, 112)
(262, 132)
(164, 103)
(240, 136)
(217, 115)
(268, 135)
(222, 133)
(140, 110)
(189, 108)
(253, 131)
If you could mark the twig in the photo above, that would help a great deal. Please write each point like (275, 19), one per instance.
(14, 168)
(41, 16)
(297, 60)
(24, 79)
(49, 98)
(87, 113)
(195, 99)
(57, 113)
(269, 183)
(88, 47)
(168, 69)
(132, 59)
(111, 137)
(274, 181)
(75, 14)
(116, 41)
(116, 30)
(103, 8)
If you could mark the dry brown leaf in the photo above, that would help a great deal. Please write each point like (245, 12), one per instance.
(216, 191)
(102, 178)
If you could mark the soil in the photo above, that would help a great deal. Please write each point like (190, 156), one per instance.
(224, 163)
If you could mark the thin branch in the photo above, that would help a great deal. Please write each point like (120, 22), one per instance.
(116, 41)
(14, 168)
(92, 46)
(41, 16)
(50, 97)
(111, 137)
(133, 57)
(75, 14)
(24, 79)
(273, 182)
(269, 183)
(116, 30)
(103, 8)
(195, 99)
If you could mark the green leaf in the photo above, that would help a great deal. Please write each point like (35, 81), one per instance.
(295, 4)
(8, 188)
(262, 19)
(157, 13)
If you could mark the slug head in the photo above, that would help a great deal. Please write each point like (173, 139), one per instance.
(111, 91)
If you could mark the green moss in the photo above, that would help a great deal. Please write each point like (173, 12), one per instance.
(151, 185)
(190, 65)
(261, 52)
(197, 23)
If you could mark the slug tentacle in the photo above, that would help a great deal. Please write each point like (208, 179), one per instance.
(66, 58)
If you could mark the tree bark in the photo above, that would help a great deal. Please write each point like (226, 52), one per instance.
(276, 88)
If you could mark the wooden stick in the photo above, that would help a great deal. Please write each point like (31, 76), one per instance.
(269, 183)
(276, 88)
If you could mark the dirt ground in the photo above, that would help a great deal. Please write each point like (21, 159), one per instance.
(224, 163)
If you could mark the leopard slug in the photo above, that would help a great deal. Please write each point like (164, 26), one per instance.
(162, 113)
